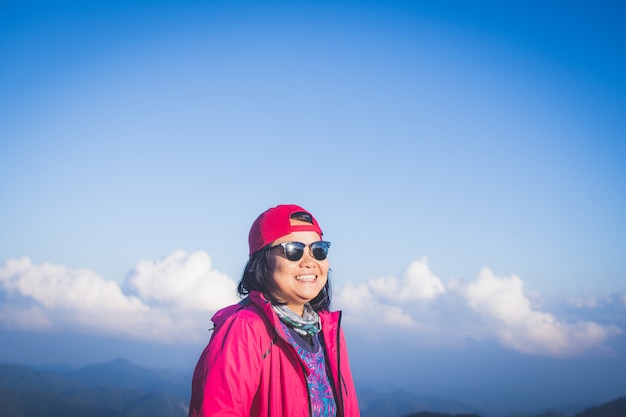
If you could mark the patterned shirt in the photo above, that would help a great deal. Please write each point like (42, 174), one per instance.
(320, 390)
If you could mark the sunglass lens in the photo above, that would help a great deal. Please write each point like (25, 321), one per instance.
(320, 250)
(294, 250)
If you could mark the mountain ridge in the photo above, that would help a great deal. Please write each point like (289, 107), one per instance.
(120, 388)
(112, 389)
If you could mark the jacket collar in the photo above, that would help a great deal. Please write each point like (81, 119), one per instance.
(330, 320)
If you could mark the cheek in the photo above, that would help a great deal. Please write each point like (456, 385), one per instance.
(278, 267)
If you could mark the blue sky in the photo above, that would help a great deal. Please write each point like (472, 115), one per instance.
(465, 159)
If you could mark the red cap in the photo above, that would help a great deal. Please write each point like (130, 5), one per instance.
(275, 223)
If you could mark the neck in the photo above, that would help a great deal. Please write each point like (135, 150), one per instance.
(298, 309)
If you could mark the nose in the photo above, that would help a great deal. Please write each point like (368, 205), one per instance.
(307, 259)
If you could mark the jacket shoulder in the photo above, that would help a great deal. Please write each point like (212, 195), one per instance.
(245, 314)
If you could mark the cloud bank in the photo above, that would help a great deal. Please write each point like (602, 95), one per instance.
(171, 300)
(488, 308)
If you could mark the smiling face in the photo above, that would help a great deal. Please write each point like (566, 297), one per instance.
(297, 282)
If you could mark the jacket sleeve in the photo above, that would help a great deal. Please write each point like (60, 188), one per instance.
(227, 375)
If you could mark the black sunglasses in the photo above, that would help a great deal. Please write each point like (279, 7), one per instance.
(294, 250)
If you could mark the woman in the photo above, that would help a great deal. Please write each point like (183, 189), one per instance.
(280, 351)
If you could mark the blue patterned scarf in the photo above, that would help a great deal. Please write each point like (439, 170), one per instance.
(307, 324)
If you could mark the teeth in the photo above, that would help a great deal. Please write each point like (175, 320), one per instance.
(305, 277)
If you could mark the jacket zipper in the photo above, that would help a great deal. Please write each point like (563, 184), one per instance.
(340, 409)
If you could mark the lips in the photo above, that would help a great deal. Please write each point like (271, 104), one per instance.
(306, 277)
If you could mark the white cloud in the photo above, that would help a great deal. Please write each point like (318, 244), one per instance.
(417, 283)
(25, 318)
(364, 308)
(172, 300)
(487, 308)
(57, 287)
(511, 319)
(55, 298)
(183, 280)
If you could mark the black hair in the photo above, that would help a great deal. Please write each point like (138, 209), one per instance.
(257, 275)
(302, 215)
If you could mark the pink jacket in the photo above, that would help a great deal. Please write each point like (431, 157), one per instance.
(249, 369)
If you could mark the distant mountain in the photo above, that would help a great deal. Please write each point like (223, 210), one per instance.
(17, 403)
(18, 377)
(432, 414)
(122, 389)
(400, 403)
(122, 373)
(114, 389)
(405, 404)
(551, 414)
(615, 408)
